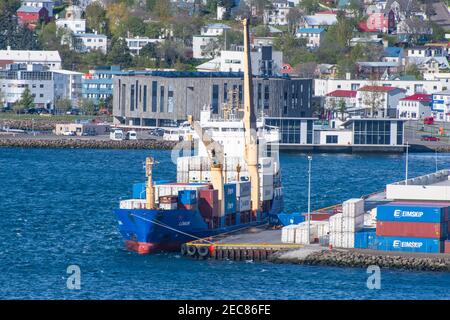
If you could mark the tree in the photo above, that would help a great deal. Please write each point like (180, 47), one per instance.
(309, 6)
(62, 105)
(232, 38)
(26, 99)
(372, 100)
(294, 19)
(120, 53)
(87, 106)
(342, 109)
(116, 15)
(413, 70)
(162, 9)
(261, 31)
(96, 17)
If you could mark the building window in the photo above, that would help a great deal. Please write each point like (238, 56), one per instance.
(144, 105)
(154, 96)
(372, 132)
(309, 131)
(400, 132)
(170, 99)
(332, 139)
(259, 99)
(225, 92)
(215, 98)
(132, 98)
(266, 96)
(161, 99)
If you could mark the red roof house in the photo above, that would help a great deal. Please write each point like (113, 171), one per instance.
(32, 16)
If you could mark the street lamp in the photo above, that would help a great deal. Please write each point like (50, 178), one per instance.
(309, 198)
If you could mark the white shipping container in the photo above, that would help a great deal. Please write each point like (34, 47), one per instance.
(352, 224)
(288, 234)
(342, 239)
(182, 176)
(195, 176)
(335, 223)
(323, 228)
(133, 204)
(301, 234)
(353, 207)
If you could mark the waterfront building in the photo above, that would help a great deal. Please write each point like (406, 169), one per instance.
(68, 85)
(49, 59)
(415, 107)
(339, 101)
(161, 98)
(18, 77)
(98, 83)
(369, 133)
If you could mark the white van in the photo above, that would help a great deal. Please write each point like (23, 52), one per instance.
(131, 135)
(116, 134)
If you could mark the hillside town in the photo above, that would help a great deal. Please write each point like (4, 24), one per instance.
(153, 63)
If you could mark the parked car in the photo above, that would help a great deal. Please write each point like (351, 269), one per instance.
(430, 138)
(157, 132)
(73, 111)
(68, 133)
(428, 120)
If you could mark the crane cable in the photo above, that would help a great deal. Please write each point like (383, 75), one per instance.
(170, 228)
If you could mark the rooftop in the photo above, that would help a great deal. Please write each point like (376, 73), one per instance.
(321, 20)
(378, 88)
(418, 97)
(393, 52)
(30, 9)
(29, 55)
(217, 26)
(378, 64)
(311, 30)
(342, 93)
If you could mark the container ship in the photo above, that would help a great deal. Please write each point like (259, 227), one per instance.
(233, 182)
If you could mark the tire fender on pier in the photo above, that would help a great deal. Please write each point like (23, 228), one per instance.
(203, 251)
(191, 250)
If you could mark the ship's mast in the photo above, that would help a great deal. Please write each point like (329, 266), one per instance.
(251, 142)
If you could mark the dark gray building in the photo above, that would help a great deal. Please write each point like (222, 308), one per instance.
(158, 98)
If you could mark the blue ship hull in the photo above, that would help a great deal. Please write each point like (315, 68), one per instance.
(147, 231)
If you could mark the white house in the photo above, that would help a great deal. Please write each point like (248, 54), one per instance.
(202, 45)
(137, 43)
(47, 4)
(277, 14)
(265, 61)
(314, 36)
(324, 86)
(441, 105)
(72, 20)
(86, 42)
(430, 65)
(378, 101)
(414, 107)
(214, 29)
(320, 20)
(50, 59)
(333, 100)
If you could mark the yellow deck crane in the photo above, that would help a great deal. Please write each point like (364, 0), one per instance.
(217, 158)
(251, 137)
(150, 192)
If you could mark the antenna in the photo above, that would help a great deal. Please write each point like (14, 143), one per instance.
(406, 167)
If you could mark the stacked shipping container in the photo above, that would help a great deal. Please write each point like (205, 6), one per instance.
(412, 226)
(344, 225)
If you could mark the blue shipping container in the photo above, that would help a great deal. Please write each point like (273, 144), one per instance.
(187, 197)
(366, 239)
(286, 219)
(139, 190)
(229, 194)
(410, 244)
(410, 213)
